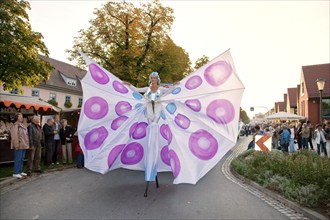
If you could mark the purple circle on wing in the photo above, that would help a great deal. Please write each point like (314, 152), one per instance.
(96, 108)
(95, 138)
(132, 154)
(221, 111)
(165, 156)
(98, 74)
(140, 130)
(175, 163)
(166, 133)
(119, 87)
(203, 145)
(194, 104)
(193, 82)
(132, 129)
(182, 121)
(118, 122)
(218, 73)
(114, 154)
(122, 108)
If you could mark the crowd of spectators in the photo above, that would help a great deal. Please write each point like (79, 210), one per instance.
(33, 139)
(292, 136)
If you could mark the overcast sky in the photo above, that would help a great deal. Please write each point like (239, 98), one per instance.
(269, 40)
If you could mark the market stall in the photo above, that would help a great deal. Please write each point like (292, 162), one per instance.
(11, 104)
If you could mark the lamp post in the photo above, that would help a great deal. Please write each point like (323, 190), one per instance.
(320, 85)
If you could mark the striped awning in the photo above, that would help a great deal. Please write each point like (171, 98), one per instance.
(27, 101)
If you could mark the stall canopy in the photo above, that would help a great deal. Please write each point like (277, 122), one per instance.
(27, 101)
(285, 116)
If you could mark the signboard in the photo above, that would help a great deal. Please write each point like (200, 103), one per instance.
(263, 143)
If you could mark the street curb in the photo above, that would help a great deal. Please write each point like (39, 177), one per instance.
(305, 211)
(7, 181)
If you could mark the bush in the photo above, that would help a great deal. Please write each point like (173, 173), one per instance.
(68, 104)
(303, 176)
(52, 102)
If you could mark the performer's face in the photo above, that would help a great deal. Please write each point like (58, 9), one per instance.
(154, 80)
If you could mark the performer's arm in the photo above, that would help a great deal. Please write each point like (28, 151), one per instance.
(168, 88)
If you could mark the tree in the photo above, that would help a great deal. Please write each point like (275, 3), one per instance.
(132, 41)
(201, 61)
(19, 47)
(243, 115)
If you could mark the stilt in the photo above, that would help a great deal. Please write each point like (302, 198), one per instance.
(157, 184)
(146, 192)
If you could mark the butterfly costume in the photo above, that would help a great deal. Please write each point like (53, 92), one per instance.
(184, 129)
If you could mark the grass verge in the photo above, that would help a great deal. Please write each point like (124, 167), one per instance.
(303, 177)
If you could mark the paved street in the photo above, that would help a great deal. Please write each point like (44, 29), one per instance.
(82, 194)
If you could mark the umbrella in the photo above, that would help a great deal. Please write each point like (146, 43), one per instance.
(285, 116)
(197, 125)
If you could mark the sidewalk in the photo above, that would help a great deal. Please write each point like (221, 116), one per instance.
(7, 181)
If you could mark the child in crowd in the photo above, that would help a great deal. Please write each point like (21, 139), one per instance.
(80, 156)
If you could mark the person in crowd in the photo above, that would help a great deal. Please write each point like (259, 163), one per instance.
(320, 140)
(327, 131)
(257, 131)
(305, 136)
(275, 139)
(246, 130)
(292, 137)
(80, 156)
(57, 141)
(299, 137)
(285, 138)
(35, 139)
(49, 140)
(66, 134)
(19, 142)
(311, 133)
(268, 132)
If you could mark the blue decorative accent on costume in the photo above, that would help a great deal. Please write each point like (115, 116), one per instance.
(171, 108)
(137, 95)
(137, 106)
(152, 96)
(176, 91)
(162, 114)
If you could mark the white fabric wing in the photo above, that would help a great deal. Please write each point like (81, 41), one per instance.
(197, 127)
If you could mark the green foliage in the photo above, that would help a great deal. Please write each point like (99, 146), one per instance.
(243, 115)
(303, 176)
(68, 104)
(133, 41)
(52, 102)
(201, 61)
(19, 47)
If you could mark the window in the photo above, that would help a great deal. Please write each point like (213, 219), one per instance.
(80, 101)
(69, 81)
(67, 98)
(52, 96)
(35, 93)
(302, 88)
(14, 91)
(326, 107)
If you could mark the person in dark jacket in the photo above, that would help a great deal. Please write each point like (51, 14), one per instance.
(311, 134)
(35, 139)
(66, 134)
(49, 140)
